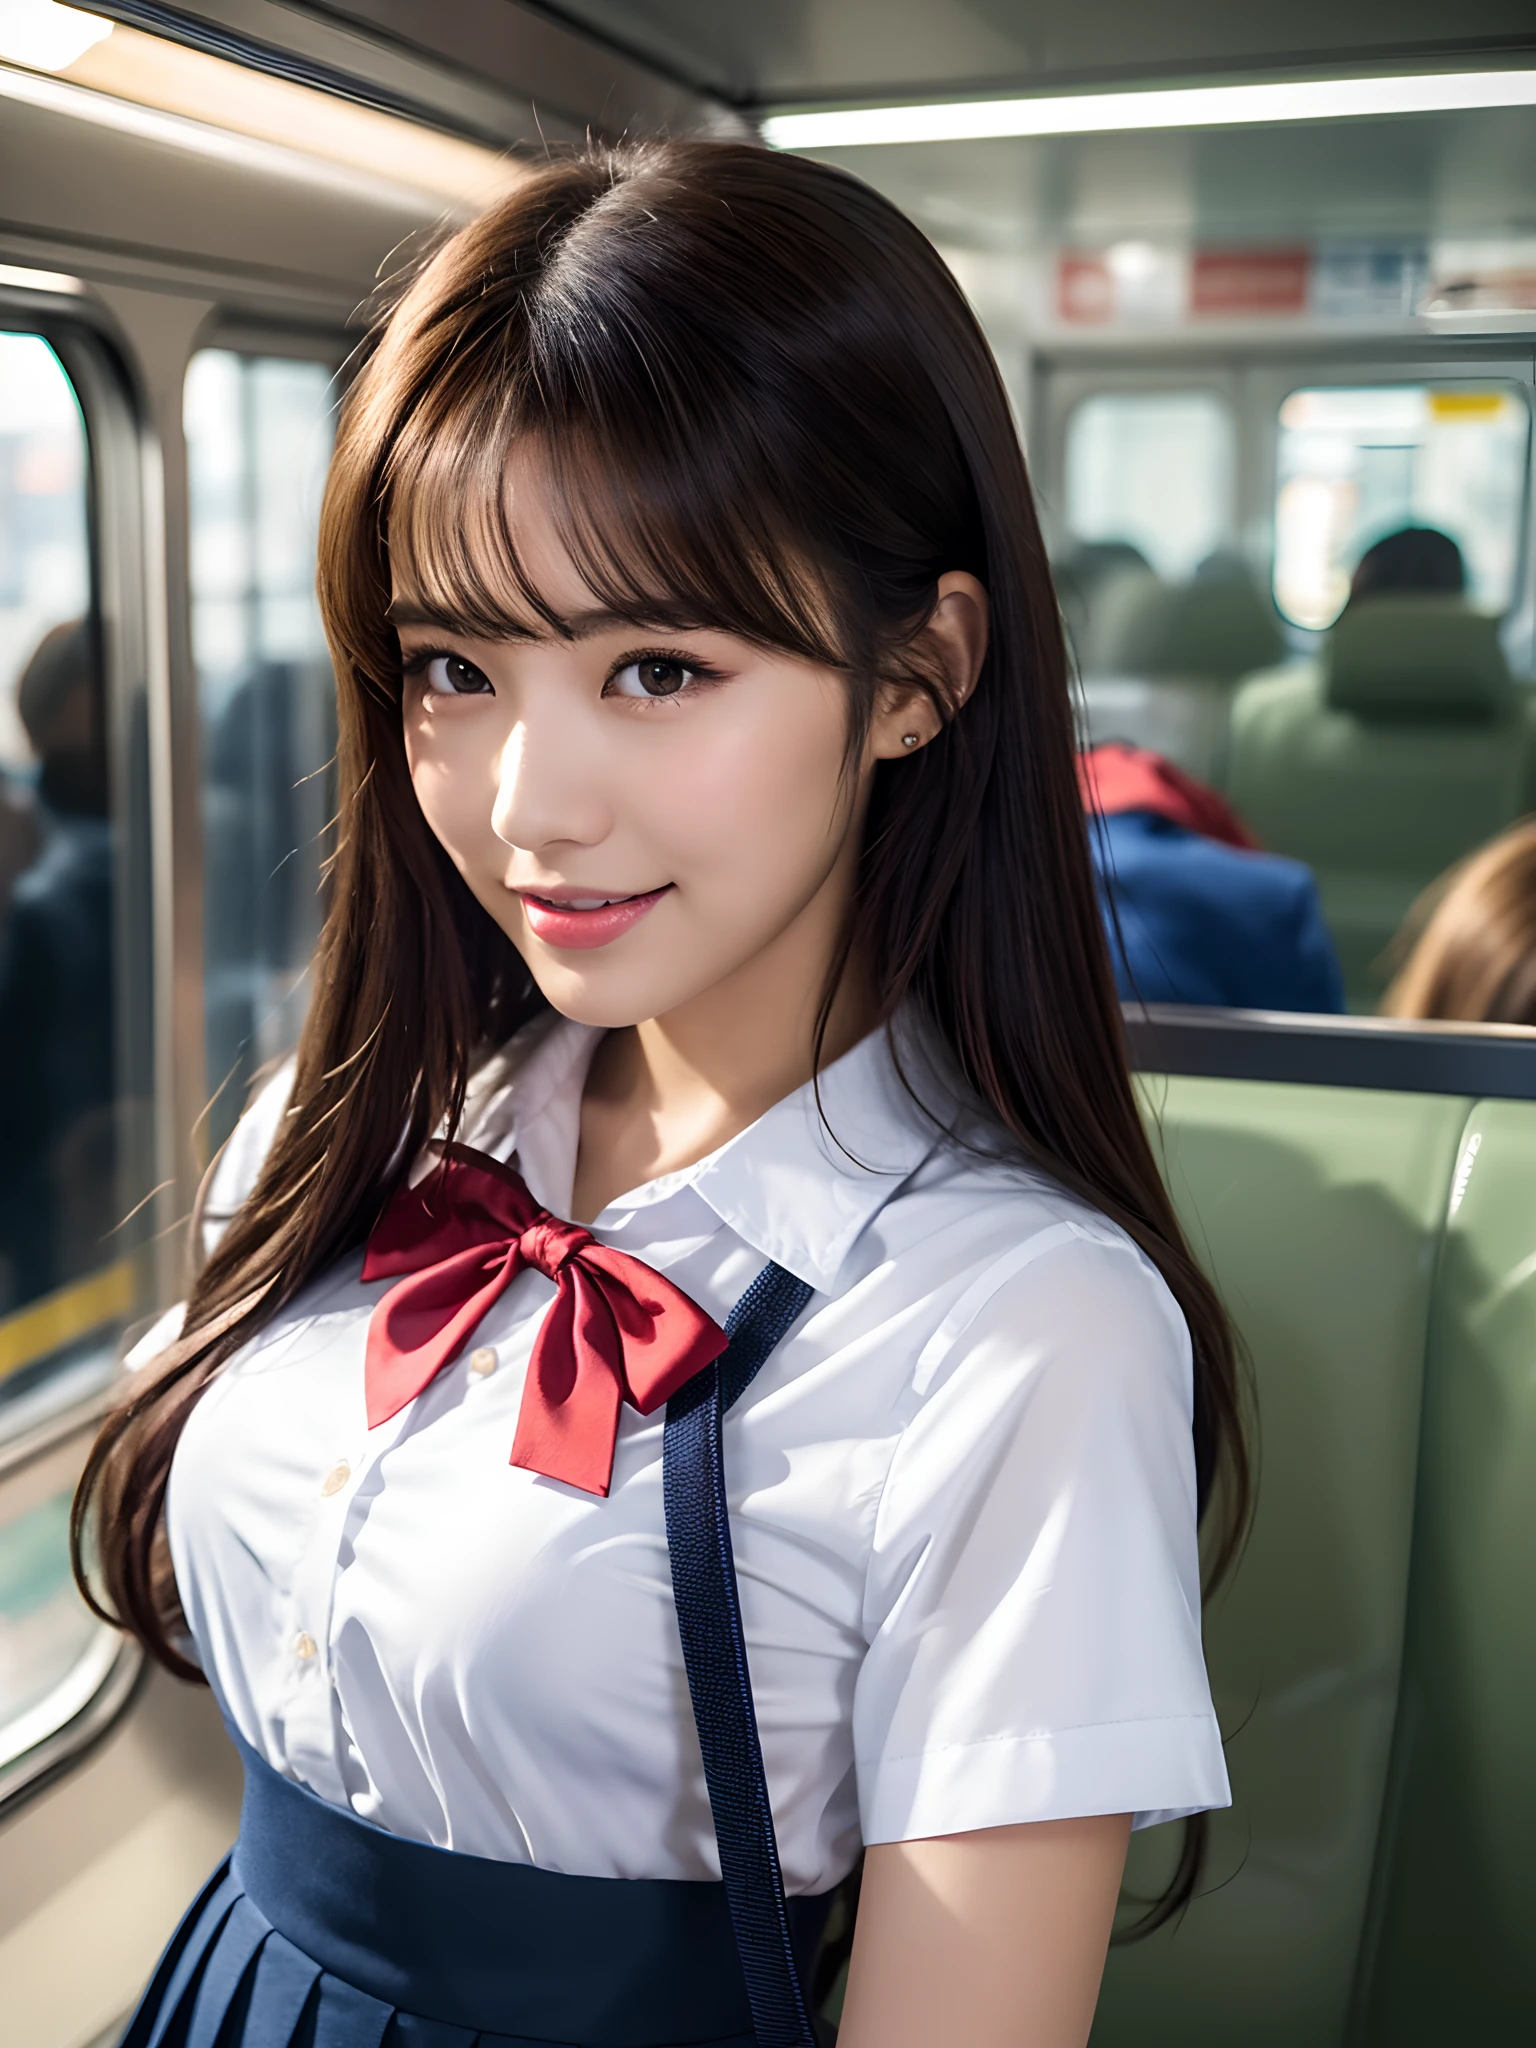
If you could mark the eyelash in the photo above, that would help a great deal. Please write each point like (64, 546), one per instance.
(700, 673)
(418, 663)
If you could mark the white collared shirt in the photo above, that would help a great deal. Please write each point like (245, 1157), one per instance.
(962, 1497)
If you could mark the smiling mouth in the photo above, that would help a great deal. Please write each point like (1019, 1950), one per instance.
(579, 923)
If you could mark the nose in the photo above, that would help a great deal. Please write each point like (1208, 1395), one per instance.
(548, 789)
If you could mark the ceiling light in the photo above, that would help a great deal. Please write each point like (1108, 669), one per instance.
(1199, 106)
(1132, 262)
(190, 100)
(46, 37)
(39, 280)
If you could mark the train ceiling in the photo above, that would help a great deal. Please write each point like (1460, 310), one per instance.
(585, 59)
(511, 70)
(757, 53)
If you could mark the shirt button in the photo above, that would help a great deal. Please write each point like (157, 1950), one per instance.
(483, 1360)
(304, 1646)
(336, 1478)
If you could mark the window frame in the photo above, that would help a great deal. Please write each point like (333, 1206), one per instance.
(1519, 616)
(137, 525)
(1152, 385)
(80, 337)
(52, 1421)
(253, 338)
(113, 1664)
(1417, 360)
(1257, 375)
(1062, 381)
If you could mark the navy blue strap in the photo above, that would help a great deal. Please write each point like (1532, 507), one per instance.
(715, 1654)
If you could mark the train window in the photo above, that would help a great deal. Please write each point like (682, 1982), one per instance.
(1356, 464)
(60, 1197)
(1154, 468)
(65, 1278)
(258, 433)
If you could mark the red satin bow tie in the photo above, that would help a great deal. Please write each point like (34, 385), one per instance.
(615, 1332)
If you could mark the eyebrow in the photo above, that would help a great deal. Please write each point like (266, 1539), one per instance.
(579, 626)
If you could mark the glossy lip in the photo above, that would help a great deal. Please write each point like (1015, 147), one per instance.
(578, 931)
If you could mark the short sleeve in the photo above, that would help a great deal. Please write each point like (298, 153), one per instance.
(1033, 1601)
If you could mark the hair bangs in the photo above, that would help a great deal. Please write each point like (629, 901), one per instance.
(665, 522)
(447, 533)
(681, 541)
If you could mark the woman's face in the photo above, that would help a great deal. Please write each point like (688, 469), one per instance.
(644, 814)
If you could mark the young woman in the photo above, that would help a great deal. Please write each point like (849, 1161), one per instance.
(713, 954)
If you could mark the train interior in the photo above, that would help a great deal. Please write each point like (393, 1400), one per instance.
(1250, 342)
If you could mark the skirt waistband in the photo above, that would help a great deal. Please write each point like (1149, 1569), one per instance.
(497, 1948)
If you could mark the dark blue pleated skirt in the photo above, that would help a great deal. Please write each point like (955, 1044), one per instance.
(321, 1931)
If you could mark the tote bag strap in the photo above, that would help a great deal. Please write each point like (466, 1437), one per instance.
(715, 1655)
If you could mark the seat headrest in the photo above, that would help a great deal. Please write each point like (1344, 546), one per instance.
(1217, 627)
(1412, 657)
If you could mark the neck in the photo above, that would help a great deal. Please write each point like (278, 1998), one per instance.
(663, 1094)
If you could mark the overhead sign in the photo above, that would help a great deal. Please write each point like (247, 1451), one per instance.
(1236, 283)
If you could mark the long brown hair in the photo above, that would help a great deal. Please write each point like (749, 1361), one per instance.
(765, 407)
(1472, 936)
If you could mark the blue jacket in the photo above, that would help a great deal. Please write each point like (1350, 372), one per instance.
(1201, 922)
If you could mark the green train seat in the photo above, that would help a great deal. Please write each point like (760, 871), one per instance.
(1374, 1656)
(1216, 627)
(1160, 661)
(1453, 1954)
(1401, 749)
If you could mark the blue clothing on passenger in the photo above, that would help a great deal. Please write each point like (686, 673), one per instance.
(1202, 922)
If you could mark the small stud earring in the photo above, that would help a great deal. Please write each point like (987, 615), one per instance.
(909, 739)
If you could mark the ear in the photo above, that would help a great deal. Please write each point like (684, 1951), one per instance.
(952, 647)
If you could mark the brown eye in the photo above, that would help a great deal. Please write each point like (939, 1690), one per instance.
(450, 675)
(654, 675)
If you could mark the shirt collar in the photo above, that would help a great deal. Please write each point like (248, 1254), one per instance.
(800, 1185)
(803, 1183)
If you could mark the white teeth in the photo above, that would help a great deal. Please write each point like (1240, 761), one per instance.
(591, 902)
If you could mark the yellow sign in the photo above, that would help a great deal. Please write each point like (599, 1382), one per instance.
(65, 1315)
(1467, 405)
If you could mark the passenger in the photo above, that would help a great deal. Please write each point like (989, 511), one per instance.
(1473, 939)
(1415, 558)
(58, 1191)
(711, 872)
(1195, 912)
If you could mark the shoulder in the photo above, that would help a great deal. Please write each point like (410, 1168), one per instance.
(1055, 1391)
(1030, 1275)
(234, 1173)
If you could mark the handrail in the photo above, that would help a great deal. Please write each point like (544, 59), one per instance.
(1401, 1055)
(115, 1669)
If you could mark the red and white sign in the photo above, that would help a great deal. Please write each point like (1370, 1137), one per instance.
(1243, 283)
